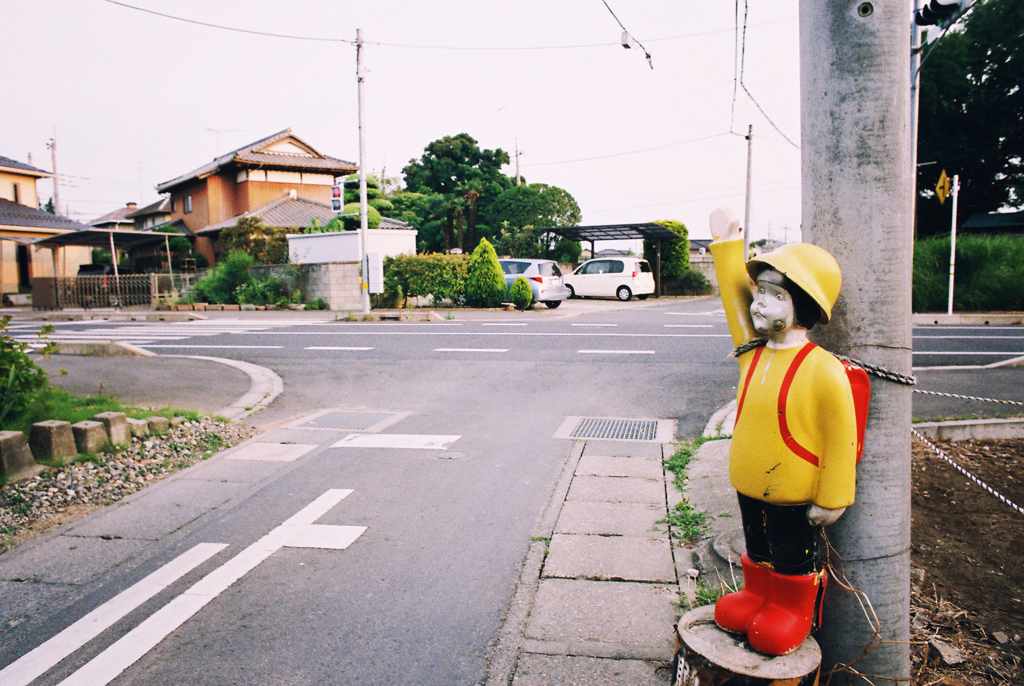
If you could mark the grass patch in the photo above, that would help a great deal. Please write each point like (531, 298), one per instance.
(56, 403)
(707, 594)
(686, 522)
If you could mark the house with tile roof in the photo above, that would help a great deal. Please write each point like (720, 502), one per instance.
(117, 220)
(22, 223)
(278, 178)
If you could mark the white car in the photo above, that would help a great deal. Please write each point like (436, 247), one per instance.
(611, 277)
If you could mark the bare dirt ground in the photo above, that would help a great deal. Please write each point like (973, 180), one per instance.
(970, 547)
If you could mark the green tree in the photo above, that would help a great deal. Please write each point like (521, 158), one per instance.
(675, 253)
(521, 294)
(485, 282)
(222, 284)
(265, 244)
(464, 180)
(971, 118)
(524, 211)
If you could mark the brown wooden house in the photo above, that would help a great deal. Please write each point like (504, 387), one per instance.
(247, 179)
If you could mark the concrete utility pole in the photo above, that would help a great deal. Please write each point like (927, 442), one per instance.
(364, 271)
(52, 145)
(746, 205)
(857, 204)
(952, 245)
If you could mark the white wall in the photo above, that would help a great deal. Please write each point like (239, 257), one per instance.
(343, 246)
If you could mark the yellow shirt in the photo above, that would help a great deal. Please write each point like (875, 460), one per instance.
(795, 440)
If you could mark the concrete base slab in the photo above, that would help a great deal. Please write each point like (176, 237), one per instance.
(570, 670)
(611, 519)
(633, 449)
(630, 617)
(617, 490)
(610, 558)
(68, 559)
(972, 429)
(645, 467)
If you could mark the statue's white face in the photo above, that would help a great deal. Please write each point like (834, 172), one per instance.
(772, 310)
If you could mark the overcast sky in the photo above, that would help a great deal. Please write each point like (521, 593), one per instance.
(137, 99)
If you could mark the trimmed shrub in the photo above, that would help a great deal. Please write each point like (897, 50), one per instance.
(521, 294)
(221, 285)
(440, 277)
(485, 283)
(317, 304)
(20, 378)
(353, 222)
(693, 282)
(263, 292)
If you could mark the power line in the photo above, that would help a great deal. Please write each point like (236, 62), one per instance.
(629, 152)
(228, 28)
(626, 37)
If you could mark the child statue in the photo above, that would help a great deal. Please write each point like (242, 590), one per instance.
(794, 449)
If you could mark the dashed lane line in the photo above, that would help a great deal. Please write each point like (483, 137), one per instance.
(470, 350)
(615, 352)
(335, 347)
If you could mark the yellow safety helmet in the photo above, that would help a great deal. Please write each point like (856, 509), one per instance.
(811, 268)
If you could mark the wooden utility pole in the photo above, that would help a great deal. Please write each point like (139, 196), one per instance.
(858, 204)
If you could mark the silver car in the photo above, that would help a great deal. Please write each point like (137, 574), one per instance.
(544, 276)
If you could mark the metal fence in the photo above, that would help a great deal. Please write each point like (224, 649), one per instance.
(104, 291)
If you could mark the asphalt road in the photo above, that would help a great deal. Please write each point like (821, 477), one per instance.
(419, 596)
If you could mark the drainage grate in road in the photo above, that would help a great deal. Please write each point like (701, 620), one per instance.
(346, 421)
(616, 429)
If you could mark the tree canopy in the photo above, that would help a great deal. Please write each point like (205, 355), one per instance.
(971, 119)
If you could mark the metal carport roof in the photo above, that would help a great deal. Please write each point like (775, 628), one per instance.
(101, 238)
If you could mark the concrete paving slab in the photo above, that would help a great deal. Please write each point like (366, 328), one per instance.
(196, 491)
(21, 599)
(611, 519)
(627, 449)
(271, 452)
(67, 559)
(610, 558)
(144, 523)
(242, 471)
(571, 670)
(634, 618)
(613, 489)
(599, 465)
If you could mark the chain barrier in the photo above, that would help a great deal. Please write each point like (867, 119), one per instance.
(967, 473)
(968, 397)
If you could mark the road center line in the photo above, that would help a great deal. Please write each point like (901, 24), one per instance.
(596, 325)
(42, 658)
(470, 350)
(335, 347)
(503, 324)
(615, 352)
(298, 531)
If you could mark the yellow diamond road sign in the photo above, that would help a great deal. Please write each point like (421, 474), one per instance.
(942, 187)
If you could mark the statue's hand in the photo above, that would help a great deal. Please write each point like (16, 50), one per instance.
(724, 225)
(822, 516)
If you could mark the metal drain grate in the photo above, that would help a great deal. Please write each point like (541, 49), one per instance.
(346, 421)
(616, 429)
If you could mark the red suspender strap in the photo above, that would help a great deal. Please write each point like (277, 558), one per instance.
(746, 383)
(787, 381)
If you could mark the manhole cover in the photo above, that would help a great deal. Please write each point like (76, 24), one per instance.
(346, 421)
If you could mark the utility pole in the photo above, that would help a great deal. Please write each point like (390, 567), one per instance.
(52, 145)
(915, 100)
(517, 162)
(858, 204)
(364, 270)
(746, 204)
(952, 246)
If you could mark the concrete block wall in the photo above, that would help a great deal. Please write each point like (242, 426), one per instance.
(337, 283)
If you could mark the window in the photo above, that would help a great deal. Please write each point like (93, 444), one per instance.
(187, 204)
(15, 192)
(514, 267)
(549, 269)
(616, 267)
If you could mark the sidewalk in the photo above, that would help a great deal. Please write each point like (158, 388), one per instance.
(598, 597)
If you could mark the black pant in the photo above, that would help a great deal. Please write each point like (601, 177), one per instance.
(780, 535)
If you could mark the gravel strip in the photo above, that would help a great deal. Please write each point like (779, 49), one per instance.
(54, 497)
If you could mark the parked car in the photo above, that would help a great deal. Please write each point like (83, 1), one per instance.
(618, 277)
(544, 276)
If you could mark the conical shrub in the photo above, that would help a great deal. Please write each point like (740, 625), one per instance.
(485, 283)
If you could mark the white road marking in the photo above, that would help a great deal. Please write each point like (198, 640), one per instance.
(689, 326)
(295, 532)
(470, 350)
(41, 659)
(412, 441)
(504, 324)
(271, 452)
(953, 352)
(615, 352)
(220, 347)
(335, 347)
(596, 325)
(713, 313)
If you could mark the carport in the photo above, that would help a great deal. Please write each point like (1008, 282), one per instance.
(56, 292)
(614, 232)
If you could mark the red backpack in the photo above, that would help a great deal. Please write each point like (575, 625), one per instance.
(861, 386)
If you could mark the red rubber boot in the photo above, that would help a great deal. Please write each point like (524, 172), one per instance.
(785, 620)
(734, 610)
